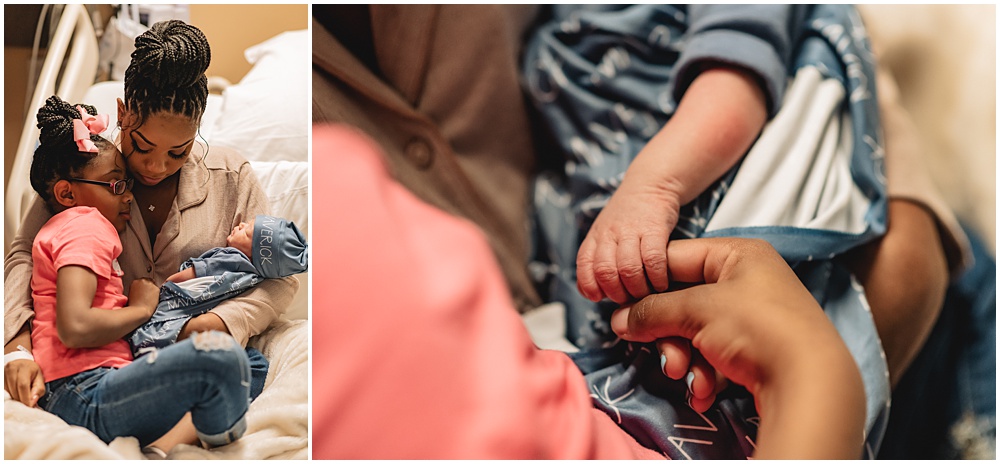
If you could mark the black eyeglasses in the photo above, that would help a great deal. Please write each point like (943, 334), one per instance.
(118, 186)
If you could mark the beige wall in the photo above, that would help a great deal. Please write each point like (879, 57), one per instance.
(233, 28)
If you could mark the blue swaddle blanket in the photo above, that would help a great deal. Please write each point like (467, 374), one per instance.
(605, 79)
(277, 248)
(225, 272)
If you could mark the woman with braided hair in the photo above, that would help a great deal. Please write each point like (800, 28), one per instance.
(187, 199)
(82, 313)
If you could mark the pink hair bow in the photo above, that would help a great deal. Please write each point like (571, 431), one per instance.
(86, 125)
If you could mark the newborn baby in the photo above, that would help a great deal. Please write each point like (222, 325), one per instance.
(269, 247)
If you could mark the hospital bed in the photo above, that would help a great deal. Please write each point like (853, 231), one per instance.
(278, 152)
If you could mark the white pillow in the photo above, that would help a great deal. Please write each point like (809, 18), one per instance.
(265, 117)
(286, 184)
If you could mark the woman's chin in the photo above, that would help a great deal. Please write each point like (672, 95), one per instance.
(148, 181)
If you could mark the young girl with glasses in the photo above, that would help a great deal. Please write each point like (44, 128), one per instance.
(82, 313)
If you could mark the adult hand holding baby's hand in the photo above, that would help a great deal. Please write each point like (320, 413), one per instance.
(628, 243)
(144, 293)
(756, 324)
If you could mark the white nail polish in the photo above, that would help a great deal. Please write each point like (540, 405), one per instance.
(690, 380)
(663, 363)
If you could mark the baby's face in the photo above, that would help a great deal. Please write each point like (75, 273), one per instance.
(241, 238)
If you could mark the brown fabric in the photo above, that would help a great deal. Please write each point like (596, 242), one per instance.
(449, 114)
(212, 197)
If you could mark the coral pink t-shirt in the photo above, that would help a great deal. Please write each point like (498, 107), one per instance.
(418, 351)
(79, 236)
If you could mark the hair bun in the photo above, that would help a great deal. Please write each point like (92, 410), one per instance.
(58, 156)
(55, 121)
(172, 54)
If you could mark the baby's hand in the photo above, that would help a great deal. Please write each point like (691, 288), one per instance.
(186, 274)
(628, 244)
(679, 361)
(144, 293)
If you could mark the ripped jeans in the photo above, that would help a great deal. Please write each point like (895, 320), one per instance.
(207, 374)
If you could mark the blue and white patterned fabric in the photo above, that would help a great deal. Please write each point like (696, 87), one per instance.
(222, 273)
(812, 185)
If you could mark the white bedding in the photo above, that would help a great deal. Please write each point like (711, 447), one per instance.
(277, 422)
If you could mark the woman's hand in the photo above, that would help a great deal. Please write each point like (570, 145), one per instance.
(756, 324)
(23, 378)
(24, 381)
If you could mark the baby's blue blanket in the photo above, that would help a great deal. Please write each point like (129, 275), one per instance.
(812, 185)
(224, 273)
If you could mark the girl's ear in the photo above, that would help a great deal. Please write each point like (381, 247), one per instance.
(62, 191)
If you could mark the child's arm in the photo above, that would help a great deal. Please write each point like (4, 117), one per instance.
(82, 326)
(717, 121)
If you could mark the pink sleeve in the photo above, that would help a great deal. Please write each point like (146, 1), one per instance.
(418, 351)
(88, 240)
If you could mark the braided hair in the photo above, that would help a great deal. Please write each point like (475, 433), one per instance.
(57, 155)
(167, 71)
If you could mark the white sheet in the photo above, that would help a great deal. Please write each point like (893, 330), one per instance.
(826, 196)
(277, 422)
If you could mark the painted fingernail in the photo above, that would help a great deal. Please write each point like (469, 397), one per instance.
(690, 381)
(689, 397)
(663, 363)
(619, 322)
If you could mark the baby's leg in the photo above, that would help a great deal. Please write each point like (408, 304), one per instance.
(207, 375)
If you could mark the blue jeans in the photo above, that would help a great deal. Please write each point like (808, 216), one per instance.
(953, 378)
(207, 375)
(259, 366)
